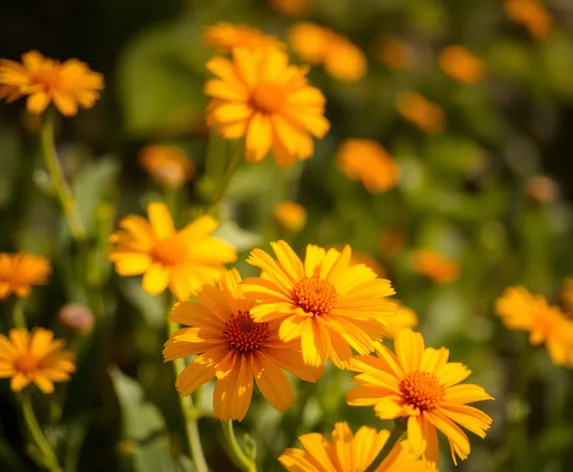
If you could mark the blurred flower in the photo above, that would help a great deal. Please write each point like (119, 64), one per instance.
(531, 14)
(290, 7)
(259, 95)
(167, 165)
(327, 302)
(567, 294)
(77, 318)
(391, 242)
(359, 257)
(421, 112)
(230, 346)
(367, 161)
(521, 311)
(461, 65)
(226, 36)
(34, 357)
(542, 189)
(350, 453)
(317, 45)
(67, 84)
(181, 260)
(18, 272)
(438, 267)
(420, 384)
(291, 216)
(405, 318)
(394, 52)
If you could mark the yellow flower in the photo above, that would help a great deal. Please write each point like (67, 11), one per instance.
(18, 272)
(226, 36)
(521, 311)
(317, 45)
(260, 96)
(405, 318)
(367, 161)
(67, 84)
(350, 453)
(394, 52)
(290, 7)
(327, 302)
(167, 165)
(230, 346)
(461, 65)
(531, 14)
(441, 269)
(291, 216)
(421, 112)
(34, 358)
(567, 294)
(420, 384)
(181, 260)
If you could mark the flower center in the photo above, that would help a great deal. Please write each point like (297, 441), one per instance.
(315, 295)
(26, 363)
(422, 390)
(243, 334)
(269, 98)
(49, 79)
(169, 251)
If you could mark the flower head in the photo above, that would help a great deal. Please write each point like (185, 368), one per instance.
(181, 260)
(230, 346)
(367, 161)
(394, 52)
(34, 357)
(531, 14)
(67, 84)
(167, 165)
(521, 311)
(18, 272)
(226, 36)
(316, 45)
(290, 215)
(420, 384)
(259, 95)
(350, 453)
(438, 267)
(290, 7)
(325, 301)
(405, 318)
(421, 112)
(461, 65)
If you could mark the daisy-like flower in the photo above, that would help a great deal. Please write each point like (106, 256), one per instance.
(34, 357)
(531, 14)
(18, 272)
(260, 96)
(181, 260)
(325, 301)
(232, 347)
(226, 36)
(461, 65)
(438, 267)
(367, 161)
(522, 311)
(421, 112)
(420, 384)
(350, 453)
(68, 85)
(167, 165)
(290, 215)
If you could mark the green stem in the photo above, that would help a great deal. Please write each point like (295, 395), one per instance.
(18, 316)
(397, 431)
(189, 415)
(238, 456)
(50, 461)
(61, 187)
(224, 182)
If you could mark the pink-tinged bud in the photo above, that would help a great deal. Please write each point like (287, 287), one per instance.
(76, 318)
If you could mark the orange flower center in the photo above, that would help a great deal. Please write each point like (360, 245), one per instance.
(269, 98)
(169, 252)
(26, 363)
(422, 390)
(49, 79)
(243, 334)
(315, 295)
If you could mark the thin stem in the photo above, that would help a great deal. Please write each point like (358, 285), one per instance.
(238, 456)
(18, 315)
(224, 182)
(50, 461)
(63, 191)
(189, 415)
(397, 431)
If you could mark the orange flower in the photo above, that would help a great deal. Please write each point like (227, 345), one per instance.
(421, 112)
(436, 266)
(226, 36)
(542, 189)
(290, 7)
(67, 84)
(291, 216)
(18, 272)
(461, 65)
(367, 161)
(394, 52)
(531, 14)
(167, 165)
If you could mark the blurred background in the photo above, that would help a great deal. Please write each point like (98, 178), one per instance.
(483, 146)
